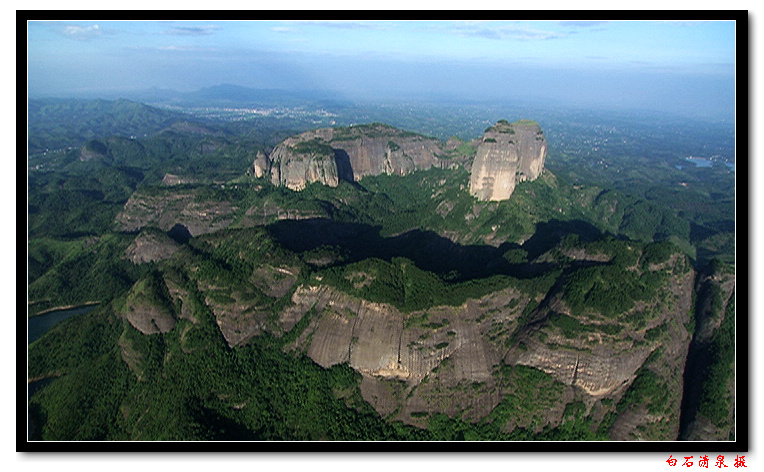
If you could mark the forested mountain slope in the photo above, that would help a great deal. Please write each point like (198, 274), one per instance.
(385, 307)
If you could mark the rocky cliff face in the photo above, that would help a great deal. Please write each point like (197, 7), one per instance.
(261, 164)
(303, 159)
(147, 307)
(395, 350)
(448, 359)
(708, 405)
(171, 209)
(618, 357)
(508, 153)
(329, 155)
(151, 246)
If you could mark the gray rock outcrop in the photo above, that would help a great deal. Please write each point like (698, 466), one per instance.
(261, 164)
(456, 359)
(151, 246)
(509, 153)
(147, 309)
(329, 155)
(304, 159)
(165, 208)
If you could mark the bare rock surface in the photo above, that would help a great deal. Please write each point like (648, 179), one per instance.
(507, 154)
(300, 160)
(172, 179)
(598, 373)
(391, 348)
(167, 208)
(145, 310)
(261, 164)
(328, 155)
(238, 318)
(151, 247)
(275, 281)
(445, 359)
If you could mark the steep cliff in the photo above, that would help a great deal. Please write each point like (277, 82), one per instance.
(708, 409)
(175, 210)
(381, 149)
(150, 246)
(303, 159)
(328, 155)
(261, 165)
(508, 153)
(621, 357)
(148, 307)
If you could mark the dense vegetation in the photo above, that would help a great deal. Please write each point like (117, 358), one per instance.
(380, 239)
(80, 270)
(716, 402)
(253, 392)
(56, 124)
(402, 284)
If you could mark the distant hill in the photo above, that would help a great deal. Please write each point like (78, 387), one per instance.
(60, 123)
(237, 96)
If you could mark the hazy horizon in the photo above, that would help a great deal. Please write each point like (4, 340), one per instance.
(685, 68)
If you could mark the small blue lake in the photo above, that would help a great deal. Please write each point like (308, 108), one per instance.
(701, 162)
(36, 327)
(40, 324)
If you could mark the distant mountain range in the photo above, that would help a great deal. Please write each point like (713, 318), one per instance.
(58, 123)
(226, 95)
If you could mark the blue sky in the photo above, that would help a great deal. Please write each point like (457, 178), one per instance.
(688, 65)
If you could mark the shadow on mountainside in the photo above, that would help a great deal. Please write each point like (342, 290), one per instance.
(428, 250)
(548, 234)
(180, 233)
(344, 167)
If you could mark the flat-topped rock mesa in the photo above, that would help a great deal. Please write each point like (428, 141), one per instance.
(509, 153)
(328, 155)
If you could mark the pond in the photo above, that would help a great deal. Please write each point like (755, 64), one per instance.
(40, 324)
(36, 327)
(700, 161)
(703, 162)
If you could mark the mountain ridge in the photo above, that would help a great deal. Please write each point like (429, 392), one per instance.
(507, 153)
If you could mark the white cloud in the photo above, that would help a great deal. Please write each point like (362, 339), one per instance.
(82, 32)
(345, 24)
(482, 30)
(192, 30)
(183, 48)
(582, 23)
